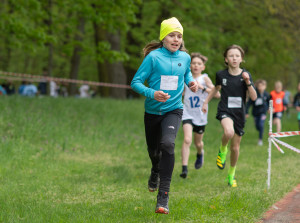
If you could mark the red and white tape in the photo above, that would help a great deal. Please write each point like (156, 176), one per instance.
(285, 144)
(284, 134)
(37, 78)
(275, 144)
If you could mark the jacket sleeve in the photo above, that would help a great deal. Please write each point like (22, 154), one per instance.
(188, 75)
(141, 76)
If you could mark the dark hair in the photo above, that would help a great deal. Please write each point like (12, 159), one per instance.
(153, 45)
(234, 47)
(199, 55)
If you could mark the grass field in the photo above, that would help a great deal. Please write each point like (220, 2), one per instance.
(77, 160)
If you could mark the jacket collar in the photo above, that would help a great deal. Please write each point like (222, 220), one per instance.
(166, 51)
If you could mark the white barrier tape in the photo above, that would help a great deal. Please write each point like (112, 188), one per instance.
(277, 146)
(286, 145)
(284, 134)
(65, 80)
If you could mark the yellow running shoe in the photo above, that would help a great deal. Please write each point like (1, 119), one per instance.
(231, 181)
(221, 160)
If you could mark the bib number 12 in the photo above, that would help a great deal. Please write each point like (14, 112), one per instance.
(195, 102)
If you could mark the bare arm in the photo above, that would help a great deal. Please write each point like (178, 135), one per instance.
(251, 90)
(210, 86)
(211, 94)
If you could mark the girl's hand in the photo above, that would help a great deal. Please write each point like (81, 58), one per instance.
(204, 108)
(246, 77)
(161, 96)
(193, 86)
(247, 115)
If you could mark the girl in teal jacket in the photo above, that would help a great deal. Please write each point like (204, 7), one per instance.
(166, 67)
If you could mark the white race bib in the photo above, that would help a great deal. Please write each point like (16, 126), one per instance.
(278, 101)
(258, 101)
(234, 102)
(168, 82)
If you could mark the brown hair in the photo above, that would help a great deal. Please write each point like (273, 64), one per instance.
(200, 56)
(234, 47)
(153, 45)
(260, 81)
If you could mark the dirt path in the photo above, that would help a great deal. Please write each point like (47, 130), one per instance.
(287, 210)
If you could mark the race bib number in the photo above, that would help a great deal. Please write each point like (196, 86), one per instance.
(168, 82)
(258, 101)
(234, 102)
(278, 101)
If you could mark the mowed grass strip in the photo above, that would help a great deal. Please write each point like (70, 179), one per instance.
(85, 160)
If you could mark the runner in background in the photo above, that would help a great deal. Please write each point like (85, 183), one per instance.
(234, 82)
(296, 103)
(260, 108)
(166, 67)
(277, 96)
(193, 119)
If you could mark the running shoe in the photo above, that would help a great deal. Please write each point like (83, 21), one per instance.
(231, 181)
(221, 160)
(162, 203)
(200, 160)
(153, 182)
(184, 174)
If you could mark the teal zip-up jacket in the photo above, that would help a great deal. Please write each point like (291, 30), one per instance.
(158, 63)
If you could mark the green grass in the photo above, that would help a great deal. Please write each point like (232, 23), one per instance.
(73, 160)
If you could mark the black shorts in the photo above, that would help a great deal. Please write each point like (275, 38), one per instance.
(237, 124)
(200, 129)
(277, 115)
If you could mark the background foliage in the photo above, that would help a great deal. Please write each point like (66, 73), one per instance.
(102, 40)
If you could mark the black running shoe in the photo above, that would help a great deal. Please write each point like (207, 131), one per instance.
(184, 174)
(153, 182)
(162, 203)
(200, 160)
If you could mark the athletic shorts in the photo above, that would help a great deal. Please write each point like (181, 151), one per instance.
(238, 126)
(277, 115)
(200, 129)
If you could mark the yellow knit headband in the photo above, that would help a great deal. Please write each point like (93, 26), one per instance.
(170, 25)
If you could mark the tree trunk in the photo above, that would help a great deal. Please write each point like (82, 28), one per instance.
(116, 70)
(48, 22)
(50, 46)
(75, 60)
(103, 73)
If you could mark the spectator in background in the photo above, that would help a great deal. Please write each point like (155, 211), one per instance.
(277, 96)
(30, 90)
(64, 90)
(9, 88)
(2, 90)
(42, 86)
(260, 108)
(21, 87)
(54, 89)
(297, 104)
(287, 101)
(84, 91)
(93, 91)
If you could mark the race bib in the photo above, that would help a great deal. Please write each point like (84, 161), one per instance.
(168, 82)
(234, 102)
(278, 101)
(258, 101)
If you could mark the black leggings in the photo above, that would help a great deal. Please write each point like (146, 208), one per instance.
(161, 131)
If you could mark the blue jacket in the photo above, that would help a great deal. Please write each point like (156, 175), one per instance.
(158, 63)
